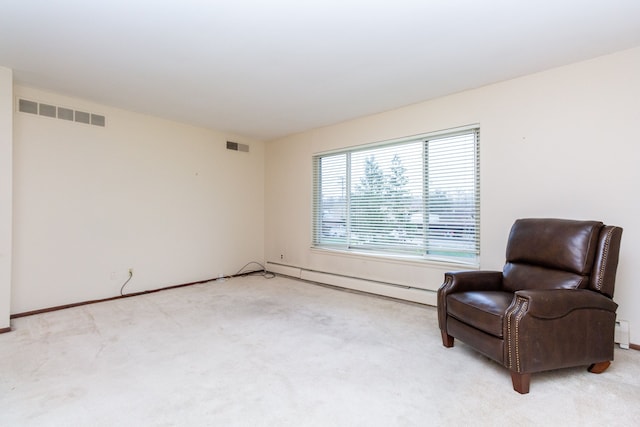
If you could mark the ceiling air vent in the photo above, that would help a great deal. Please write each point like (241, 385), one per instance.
(237, 147)
(62, 113)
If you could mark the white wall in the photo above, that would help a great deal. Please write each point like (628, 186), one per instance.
(6, 140)
(562, 143)
(164, 198)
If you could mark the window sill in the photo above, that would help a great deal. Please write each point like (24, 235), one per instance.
(398, 259)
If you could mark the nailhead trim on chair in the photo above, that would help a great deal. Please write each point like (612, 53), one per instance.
(509, 313)
(520, 307)
(605, 253)
(442, 301)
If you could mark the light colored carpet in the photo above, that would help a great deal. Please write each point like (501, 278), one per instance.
(279, 352)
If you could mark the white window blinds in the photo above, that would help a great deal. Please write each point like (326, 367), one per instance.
(416, 197)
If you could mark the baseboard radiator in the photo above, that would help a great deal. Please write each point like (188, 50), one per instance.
(622, 333)
(392, 290)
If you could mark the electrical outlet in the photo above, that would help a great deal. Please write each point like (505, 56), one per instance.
(131, 271)
(281, 256)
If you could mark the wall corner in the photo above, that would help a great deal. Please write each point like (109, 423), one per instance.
(6, 194)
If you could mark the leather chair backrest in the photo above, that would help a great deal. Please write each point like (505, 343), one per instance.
(551, 254)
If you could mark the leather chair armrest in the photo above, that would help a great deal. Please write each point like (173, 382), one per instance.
(461, 281)
(558, 328)
(556, 303)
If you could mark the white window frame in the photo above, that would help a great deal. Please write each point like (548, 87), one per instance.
(441, 224)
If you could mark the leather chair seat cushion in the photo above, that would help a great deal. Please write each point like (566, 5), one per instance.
(484, 310)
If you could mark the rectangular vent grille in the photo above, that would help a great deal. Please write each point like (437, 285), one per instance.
(237, 147)
(28, 106)
(83, 117)
(47, 110)
(65, 113)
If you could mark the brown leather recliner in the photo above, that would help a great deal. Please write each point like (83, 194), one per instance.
(550, 307)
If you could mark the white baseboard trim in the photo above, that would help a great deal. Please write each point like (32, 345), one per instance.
(406, 293)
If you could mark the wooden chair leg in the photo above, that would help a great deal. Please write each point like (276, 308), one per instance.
(447, 340)
(598, 368)
(520, 382)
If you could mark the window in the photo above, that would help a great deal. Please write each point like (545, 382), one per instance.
(417, 197)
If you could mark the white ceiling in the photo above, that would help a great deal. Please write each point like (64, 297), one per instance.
(266, 69)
